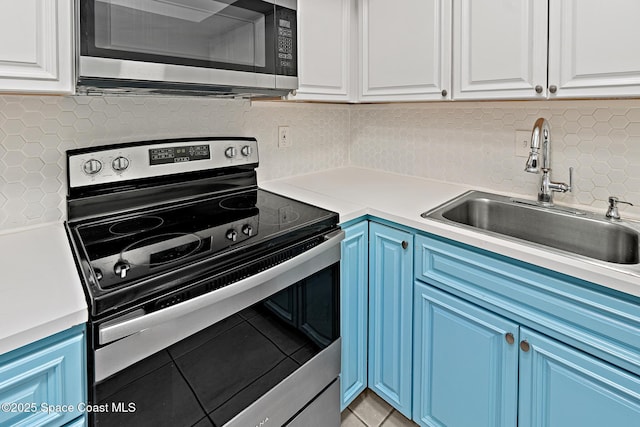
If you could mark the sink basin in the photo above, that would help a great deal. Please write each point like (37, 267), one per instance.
(570, 230)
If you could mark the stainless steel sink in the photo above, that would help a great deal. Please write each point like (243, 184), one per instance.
(570, 230)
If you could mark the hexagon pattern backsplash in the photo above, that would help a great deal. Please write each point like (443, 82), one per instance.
(35, 132)
(470, 143)
(474, 143)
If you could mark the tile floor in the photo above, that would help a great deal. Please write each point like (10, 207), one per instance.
(369, 410)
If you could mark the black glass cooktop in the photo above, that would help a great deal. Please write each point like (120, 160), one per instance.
(125, 253)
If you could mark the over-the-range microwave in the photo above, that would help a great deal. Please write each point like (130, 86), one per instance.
(202, 47)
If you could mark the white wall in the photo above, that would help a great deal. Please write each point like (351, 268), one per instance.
(459, 142)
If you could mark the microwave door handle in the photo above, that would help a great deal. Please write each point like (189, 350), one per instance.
(246, 291)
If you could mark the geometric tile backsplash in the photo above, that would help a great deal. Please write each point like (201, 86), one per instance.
(464, 142)
(35, 132)
(473, 143)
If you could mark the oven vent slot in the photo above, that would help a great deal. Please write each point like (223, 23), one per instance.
(231, 277)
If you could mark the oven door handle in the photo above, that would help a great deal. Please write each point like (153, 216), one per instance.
(274, 279)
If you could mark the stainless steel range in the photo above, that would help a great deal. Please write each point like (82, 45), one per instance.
(212, 302)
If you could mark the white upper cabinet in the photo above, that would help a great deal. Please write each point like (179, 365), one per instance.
(500, 49)
(327, 34)
(36, 46)
(594, 48)
(405, 50)
(409, 50)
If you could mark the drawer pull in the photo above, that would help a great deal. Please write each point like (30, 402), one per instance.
(524, 346)
(405, 244)
(509, 337)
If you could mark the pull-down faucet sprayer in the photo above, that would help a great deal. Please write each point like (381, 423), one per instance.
(541, 139)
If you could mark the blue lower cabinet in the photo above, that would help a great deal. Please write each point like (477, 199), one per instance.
(561, 386)
(465, 363)
(390, 315)
(44, 383)
(575, 360)
(354, 282)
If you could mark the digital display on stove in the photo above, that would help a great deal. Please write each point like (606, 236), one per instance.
(162, 156)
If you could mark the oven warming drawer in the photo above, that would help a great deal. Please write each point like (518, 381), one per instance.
(284, 400)
(324, 411)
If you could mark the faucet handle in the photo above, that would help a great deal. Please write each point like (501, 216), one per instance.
(570, 189)
(612, 211)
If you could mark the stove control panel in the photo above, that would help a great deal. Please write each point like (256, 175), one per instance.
(150, 159)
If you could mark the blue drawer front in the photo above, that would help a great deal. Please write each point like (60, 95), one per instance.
(43, 383)
(561, 307)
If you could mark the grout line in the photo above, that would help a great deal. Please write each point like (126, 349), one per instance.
(356, 415)
(387, 417)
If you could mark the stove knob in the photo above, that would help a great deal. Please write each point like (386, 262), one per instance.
(98, 273)
(246, 151)
(247, 230)
(232, 235)
(92, 167)
(120, 164)
(230, 152)
(121, 268)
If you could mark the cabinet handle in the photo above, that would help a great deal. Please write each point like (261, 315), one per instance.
(405, 244)
(509, 337)
(524, 346)
(444, 92)
(538, 89)
(553, 88)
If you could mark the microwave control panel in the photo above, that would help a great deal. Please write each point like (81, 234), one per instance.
(286, 59)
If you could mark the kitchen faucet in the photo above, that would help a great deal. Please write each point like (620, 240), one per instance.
(541, 138)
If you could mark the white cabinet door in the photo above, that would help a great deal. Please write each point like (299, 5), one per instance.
(36, 46)
(405, 50)
(327, 34)
(500, 49)
(594, 48)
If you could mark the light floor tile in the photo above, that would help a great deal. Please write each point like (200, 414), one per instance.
(396, 419)
(349, 419)
(370, 408)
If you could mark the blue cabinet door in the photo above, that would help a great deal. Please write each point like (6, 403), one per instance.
(561, 386)
(44, 383)
(465, 363)
(390, 317)
(354, 282)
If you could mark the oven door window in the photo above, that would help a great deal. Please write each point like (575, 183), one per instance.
(213, 375)
(223, 34)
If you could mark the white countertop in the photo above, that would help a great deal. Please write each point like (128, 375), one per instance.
(353, 192)
(41, 293)
(40, 290)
